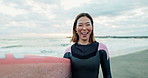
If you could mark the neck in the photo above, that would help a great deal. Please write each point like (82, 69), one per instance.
(83, 42)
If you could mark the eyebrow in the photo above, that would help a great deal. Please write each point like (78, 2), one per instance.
(80, 23)
(87, 22)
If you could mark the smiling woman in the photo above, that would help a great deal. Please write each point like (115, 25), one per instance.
(83, 29)
(86, 54)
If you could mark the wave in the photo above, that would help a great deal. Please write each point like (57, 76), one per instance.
(12, 46)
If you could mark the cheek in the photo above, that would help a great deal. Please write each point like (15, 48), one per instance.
(90, 29)
(78, 29)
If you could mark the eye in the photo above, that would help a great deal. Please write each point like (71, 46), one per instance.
(87, 24)
(80, 25)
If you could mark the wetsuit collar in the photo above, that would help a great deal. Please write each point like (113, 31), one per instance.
(84, 51)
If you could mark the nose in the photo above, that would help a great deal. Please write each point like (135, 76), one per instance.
(84, 28)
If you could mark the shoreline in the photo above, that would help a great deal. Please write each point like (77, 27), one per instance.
(133, 65)
(130, 51)
(117, 37)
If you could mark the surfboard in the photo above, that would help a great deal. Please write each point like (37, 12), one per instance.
(34, 66)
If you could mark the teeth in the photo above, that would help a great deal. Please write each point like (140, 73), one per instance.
(84, 33)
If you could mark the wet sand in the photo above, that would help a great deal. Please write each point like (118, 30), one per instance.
(133, 65)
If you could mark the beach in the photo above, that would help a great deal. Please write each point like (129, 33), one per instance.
(134, 65)
(129, 56)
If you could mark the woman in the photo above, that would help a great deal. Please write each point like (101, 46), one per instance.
(86, 54)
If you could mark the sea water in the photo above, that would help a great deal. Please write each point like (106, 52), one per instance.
(56, 46)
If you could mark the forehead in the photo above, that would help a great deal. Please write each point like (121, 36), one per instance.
(83, 20)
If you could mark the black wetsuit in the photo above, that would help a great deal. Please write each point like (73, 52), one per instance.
(86, 60)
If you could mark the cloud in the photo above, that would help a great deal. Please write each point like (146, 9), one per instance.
(9, 9)
(68, 4)
(111, 17)
(129, 22)
(42, 8)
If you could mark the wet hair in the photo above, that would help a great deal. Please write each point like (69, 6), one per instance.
(75, 37)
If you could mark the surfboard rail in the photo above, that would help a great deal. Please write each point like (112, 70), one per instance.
(34, 66)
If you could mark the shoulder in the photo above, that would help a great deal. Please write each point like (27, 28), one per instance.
(102, 47)
(67, 52)
(68, 49)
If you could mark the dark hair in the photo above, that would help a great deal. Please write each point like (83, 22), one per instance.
(75, 36)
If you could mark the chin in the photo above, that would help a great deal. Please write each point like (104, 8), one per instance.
(85, 39)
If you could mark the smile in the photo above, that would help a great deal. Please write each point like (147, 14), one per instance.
(84, 33)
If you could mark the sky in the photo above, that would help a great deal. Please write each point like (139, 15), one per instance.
(23, 18)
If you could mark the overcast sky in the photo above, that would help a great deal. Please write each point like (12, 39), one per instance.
(44, 17)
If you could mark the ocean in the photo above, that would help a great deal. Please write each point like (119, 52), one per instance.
(56, 46)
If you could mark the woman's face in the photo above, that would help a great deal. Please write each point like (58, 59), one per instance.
(84, 28)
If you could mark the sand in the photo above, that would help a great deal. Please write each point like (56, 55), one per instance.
(133, 65)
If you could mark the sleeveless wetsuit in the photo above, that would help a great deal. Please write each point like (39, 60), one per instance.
(86, 60)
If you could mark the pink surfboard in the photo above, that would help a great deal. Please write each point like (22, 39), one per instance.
(34, 66)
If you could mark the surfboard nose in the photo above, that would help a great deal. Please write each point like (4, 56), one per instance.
(11, 56)
(6, 56)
